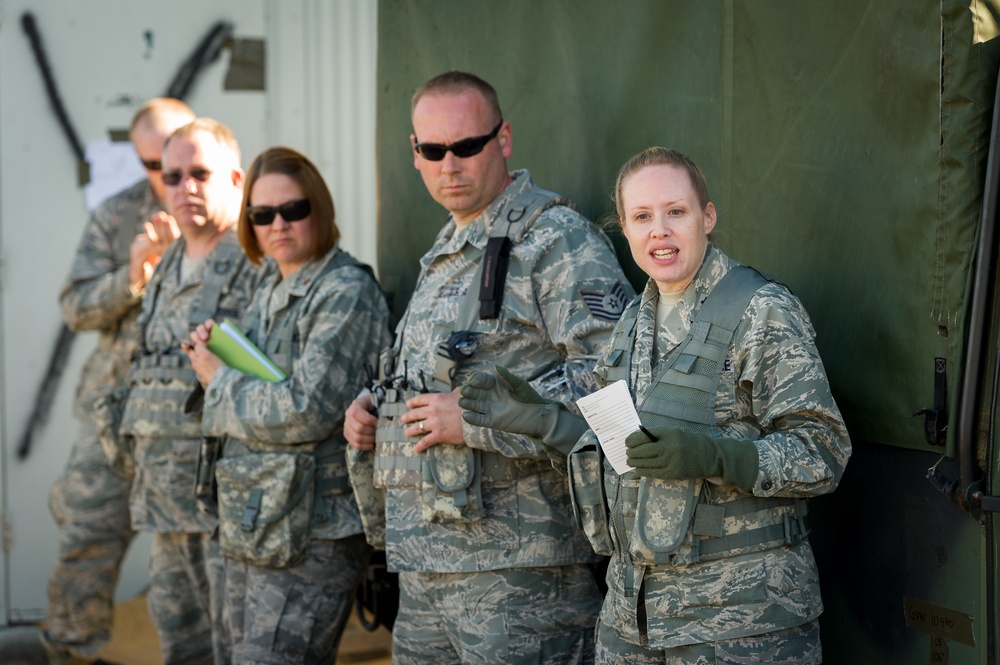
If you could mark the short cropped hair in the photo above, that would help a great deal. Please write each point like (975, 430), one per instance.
(222, 134)
(657, 156)
(455, 83)
(298, 167)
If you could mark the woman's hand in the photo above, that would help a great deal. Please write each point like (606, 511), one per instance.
(204, 362)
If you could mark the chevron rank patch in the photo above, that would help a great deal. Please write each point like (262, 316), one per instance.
(606, 305)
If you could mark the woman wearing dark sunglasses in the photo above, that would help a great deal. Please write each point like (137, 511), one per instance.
(289, 526)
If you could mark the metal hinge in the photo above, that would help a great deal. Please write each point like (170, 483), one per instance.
(987, 503)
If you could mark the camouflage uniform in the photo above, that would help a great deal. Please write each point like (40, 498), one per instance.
(564, 291)
(88, 501)
(338, 322)
(774, 391)
(185, 596)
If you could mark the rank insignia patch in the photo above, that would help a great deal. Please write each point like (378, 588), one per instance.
(606, 305)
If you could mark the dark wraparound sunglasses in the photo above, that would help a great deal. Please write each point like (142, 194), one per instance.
(435, 152)
(152, 164)
(173, 178)
(290, 211)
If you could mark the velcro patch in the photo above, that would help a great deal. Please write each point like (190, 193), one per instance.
(606, 305)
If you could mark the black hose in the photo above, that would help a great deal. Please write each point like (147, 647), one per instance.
(31, 30)
(205, 53)
(60, 354)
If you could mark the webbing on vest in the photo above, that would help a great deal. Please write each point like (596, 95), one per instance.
(519, 214)
(227, 260)
(685, 389)
(513, 221)
(278, 349)
(684, 396)
(279, 342)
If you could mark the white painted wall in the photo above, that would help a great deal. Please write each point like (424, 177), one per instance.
(320, 99)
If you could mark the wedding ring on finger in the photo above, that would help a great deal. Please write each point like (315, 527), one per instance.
(421, 425)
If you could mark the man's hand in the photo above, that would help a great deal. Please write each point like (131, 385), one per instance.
(436, 417)
(147, 248)
(675, 453)
(506, 402)
(360, 423)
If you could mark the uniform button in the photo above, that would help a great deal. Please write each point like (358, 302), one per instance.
(767, 485)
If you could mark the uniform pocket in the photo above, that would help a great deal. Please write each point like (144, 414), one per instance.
(663, 513)
(586, 487)
(451, 489)
(265, 507)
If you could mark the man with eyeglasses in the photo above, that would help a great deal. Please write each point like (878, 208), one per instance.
(120, 246)
(477, 522)
(204, 274)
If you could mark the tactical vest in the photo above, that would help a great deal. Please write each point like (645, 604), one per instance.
(449, 477)
(161, 381)
(279, 347)
(676, 521)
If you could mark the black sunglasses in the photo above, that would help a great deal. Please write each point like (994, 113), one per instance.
(173, 178)
(435, 152)
(152, 164)
(291, 211)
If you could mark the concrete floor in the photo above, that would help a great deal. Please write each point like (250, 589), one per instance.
(133, 641)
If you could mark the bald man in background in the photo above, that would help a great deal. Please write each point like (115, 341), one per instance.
(121, 245)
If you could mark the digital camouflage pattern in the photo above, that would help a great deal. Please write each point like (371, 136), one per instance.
(166, 438)
(773, 391)
(186, 578)
(294, 615)
(547, 332)
(88, 501)
(534, 615)
(341, 322)
(97, 294)
(799, 645)
(265, 506)
(336, 322)
(370, 499)
(167, 441)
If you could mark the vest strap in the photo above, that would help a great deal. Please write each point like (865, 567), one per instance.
(791, 530)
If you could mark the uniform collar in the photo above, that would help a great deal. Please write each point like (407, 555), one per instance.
(713, 268)
(477, 231)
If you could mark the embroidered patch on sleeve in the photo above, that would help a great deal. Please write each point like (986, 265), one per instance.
(607, 305)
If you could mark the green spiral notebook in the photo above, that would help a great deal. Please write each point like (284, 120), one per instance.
(233, 348)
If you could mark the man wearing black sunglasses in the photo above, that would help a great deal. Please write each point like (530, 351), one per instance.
(478, 522)
(122, 242)
(203, 275)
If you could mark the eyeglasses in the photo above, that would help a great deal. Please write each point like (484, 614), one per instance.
(435, 152)
(173, 178)
(291, 211)
(152, 164)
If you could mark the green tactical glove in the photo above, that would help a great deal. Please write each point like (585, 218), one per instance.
(675, 453)
(508, 403)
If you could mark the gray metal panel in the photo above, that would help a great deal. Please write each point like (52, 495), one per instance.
(319, 98)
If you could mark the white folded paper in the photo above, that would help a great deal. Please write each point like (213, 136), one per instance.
(611, 414)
